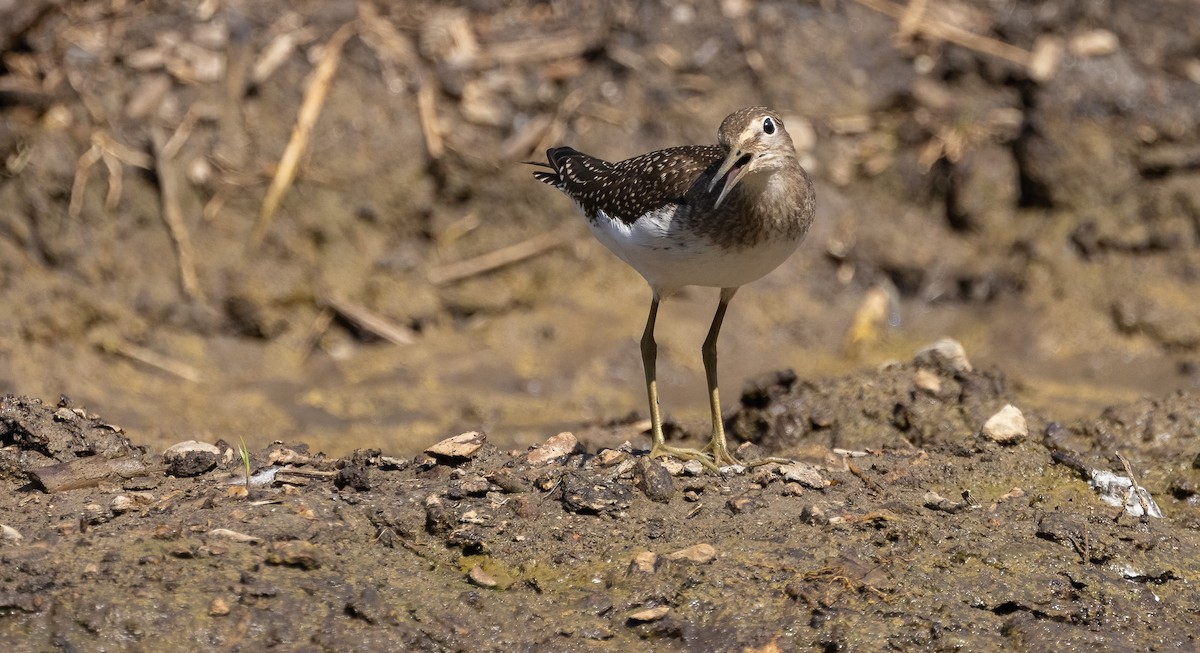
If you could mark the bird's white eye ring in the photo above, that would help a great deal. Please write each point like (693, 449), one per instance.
(768, 126)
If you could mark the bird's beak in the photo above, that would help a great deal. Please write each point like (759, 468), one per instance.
(732, 169)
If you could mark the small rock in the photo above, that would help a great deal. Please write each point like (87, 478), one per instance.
(473, 517)
(742, 504)
(1007, 426)
(353, 476)
(504, 479)
(558, 446)
(461, 446)
(181, 448)
(814, 515)
(654, 480)
(610, 457)
(675, 467)
(295, 553)
(233, 536)
(650, 614)
(927, 380)
(693, 468)
(10, 535)
(438, 518)
(804, 474)
(945, 354)
(190, 458)
(644, 562)
(64, 415)
(474, 485)
(121, 504)
(935, 501)
(583, 493)
(482, 578)
(219, 607)
(94, 514)
(700, 554)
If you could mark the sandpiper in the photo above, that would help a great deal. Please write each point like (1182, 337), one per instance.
(698, 215)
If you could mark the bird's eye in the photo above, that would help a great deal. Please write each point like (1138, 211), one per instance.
(768, 126)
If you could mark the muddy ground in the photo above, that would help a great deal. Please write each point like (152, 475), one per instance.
(1021, 176)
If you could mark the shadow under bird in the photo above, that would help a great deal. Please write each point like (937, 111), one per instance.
(698, 215)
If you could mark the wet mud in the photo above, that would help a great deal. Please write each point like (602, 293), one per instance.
(1022, 178)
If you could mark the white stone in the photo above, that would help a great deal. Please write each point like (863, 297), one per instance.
(1007, 426)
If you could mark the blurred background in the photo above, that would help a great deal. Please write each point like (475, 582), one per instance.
(311, 221)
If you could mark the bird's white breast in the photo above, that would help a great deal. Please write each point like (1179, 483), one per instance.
(670, 258)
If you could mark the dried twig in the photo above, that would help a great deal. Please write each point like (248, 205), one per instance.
(83, 169)
(1136, 488)
(152, 358)
(306, 119)
(372, 322)
(430, 128)
(173, 215)
(946, 32)
(450, 272)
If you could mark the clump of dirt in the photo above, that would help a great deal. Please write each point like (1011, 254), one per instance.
(960, 542)
(935, 398)
(1030, 189)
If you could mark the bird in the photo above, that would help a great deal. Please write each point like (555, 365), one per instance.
(718, 216)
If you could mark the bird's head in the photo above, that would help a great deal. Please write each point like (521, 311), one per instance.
(756, 142)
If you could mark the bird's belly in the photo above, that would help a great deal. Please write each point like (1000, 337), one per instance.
(670, 260)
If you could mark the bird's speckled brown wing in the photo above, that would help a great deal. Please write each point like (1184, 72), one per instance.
(632, 188)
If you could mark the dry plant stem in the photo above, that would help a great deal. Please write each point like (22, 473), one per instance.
(1136, 487)
(957, 35)
(173, 215)
(444, 274)
(153, 359)
(431, 129)
(310, 110)
(371, 322)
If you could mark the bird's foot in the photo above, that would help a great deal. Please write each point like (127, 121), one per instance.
(663, 450)
(721, 456)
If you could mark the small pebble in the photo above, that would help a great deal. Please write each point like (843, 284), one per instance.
(10, 534)
(946, 354)
(610, 457)
(700, 554)
(475, 485)
(654, 480)
(1007, 426)
(462, 446)
(644, 562)
(742, 504)
(693, 468)
(295, 553)
(479, 577)
(927, 380)
(675, 467)
(804, 474)
(121, 504)
(558, 446)
(650, 614)
(219, 607)
(814, 515)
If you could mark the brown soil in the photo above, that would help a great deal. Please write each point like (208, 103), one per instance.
(1042, 210)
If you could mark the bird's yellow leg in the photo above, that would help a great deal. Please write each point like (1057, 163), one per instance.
(649, 364)
(717, 446)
